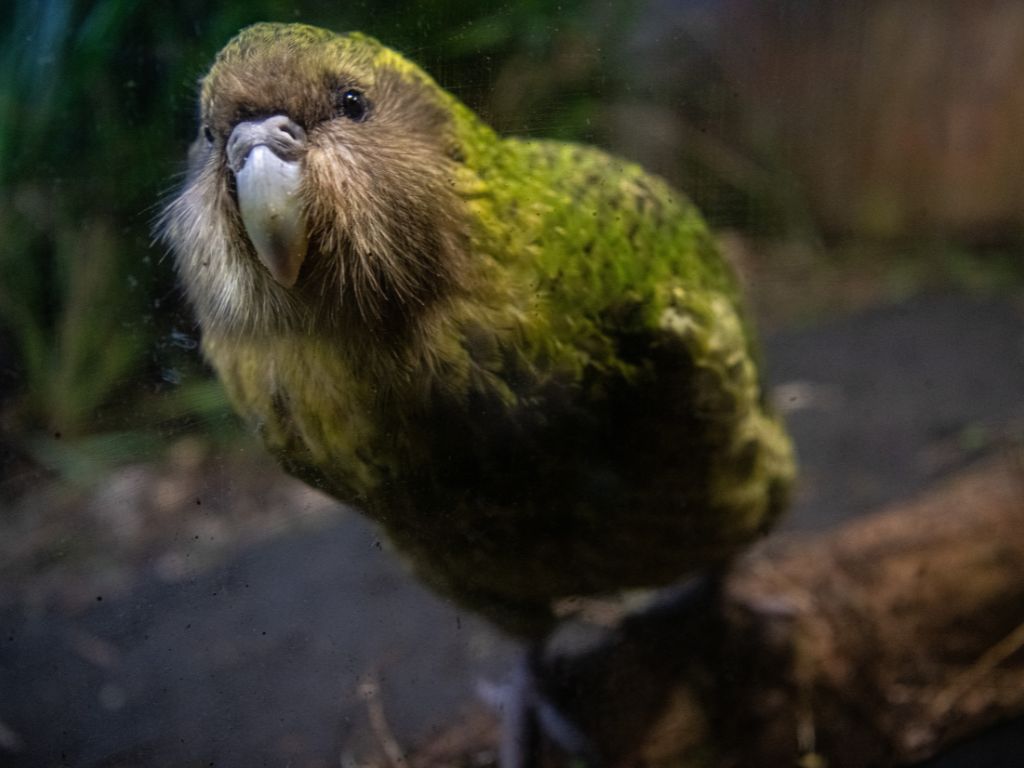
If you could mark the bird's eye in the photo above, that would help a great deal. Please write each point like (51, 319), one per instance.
(353, 105)
(208, 134)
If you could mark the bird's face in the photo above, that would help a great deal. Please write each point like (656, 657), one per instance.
(320, 187)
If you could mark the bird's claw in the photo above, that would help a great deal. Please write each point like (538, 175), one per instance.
(531, 719)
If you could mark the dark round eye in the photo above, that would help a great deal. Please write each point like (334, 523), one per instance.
(352, 104)
(208, 134)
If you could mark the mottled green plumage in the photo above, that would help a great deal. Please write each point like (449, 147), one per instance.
(526, 360)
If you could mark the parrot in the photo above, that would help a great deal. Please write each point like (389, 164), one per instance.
(526, 360)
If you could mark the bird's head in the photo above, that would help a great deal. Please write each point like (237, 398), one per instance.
(321, 186)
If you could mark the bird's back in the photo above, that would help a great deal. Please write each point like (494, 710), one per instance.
(618, 434)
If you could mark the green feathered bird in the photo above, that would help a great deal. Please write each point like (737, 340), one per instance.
(526, 360)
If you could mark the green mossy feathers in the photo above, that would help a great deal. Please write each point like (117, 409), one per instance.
(564, 400)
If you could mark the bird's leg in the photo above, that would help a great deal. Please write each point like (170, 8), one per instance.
(650, 647)
(520, 741)
(531, 719)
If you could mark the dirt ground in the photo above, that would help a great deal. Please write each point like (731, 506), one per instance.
(165, 627)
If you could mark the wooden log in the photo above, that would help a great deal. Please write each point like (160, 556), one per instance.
(900, 633)
(878, 643)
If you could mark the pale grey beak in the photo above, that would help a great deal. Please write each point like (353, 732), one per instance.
(265, 156)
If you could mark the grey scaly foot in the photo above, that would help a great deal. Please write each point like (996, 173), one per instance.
(531, 720)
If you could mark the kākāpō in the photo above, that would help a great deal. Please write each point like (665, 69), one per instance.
(526, 360)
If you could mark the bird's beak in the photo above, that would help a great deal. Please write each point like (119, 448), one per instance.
(265, 156)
